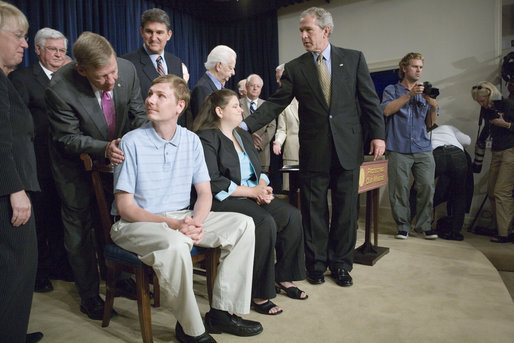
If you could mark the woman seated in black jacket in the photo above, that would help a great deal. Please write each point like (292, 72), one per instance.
(238, 185)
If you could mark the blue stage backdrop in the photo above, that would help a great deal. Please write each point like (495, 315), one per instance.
(255, 39)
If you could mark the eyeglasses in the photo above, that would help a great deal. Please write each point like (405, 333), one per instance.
(19, 36)
(54, 50)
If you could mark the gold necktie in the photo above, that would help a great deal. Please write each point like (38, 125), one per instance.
(324, 78)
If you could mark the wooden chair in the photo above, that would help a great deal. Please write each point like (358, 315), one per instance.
(118, 259)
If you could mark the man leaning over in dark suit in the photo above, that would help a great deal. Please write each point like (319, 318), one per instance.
(335, 94)
(151, 60)
(31, 82)
(221, 66)
(91, 104)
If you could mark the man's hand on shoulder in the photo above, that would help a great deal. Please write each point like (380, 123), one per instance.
(114, 153)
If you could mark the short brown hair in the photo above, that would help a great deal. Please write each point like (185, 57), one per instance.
(406, 60)
(177, 84)
(155, 15)
(92, 51)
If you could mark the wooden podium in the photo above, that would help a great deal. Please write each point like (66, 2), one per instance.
(373, 175)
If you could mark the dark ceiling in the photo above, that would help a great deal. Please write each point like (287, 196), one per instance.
(228, 10)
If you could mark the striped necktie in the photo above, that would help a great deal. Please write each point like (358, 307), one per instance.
(160, 68)
(252, 107)
(324, 78)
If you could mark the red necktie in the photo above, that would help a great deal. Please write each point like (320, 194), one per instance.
(160, 68)
(109, 113)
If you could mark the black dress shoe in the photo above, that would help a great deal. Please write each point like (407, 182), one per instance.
(342, 277)
(94, 308)
(217, 321)
(33, 337)
(182, 337)
(315, 278)
(43, 285)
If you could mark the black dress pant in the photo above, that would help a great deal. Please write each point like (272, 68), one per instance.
(52, 258)
(451, 165)
(18, 262)
(278, 227)
(329, 245)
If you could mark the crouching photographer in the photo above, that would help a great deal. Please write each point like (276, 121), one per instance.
(498, 115)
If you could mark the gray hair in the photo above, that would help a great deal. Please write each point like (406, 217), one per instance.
(323, 17)
(281, 67)
(155, 15)
(48, 33)
(251, 76)
(240, 84)
(220, 53)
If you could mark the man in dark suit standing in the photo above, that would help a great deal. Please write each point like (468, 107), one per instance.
(151, 60)
(91, 104)
(220, 66)
(335, 95)
(31, 82)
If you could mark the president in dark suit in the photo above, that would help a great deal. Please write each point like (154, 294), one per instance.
(336, 96)
(220, 66)
(31, 82)
(151, 60)
(91, 104)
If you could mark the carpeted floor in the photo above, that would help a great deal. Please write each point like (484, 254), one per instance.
(422, 291)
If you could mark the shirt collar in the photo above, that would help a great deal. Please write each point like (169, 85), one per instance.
(153, 56)
(47, 71)
(325, 53)
(156, 140)
(217, 82)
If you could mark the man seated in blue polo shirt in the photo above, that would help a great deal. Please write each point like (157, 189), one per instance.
(152, 195)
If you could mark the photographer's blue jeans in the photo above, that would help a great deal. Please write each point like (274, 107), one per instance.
(422, 166)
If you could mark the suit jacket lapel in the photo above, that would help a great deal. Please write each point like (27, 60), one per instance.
(148, 67)
(340, 75)
(310, 72)
(91, 106)
(40, 75)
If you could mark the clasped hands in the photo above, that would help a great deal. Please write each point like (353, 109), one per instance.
(263, 194)
(190, 228)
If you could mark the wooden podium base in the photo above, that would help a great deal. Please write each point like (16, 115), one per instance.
(368, 254)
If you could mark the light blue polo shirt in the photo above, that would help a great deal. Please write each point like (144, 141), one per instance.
(160, 173)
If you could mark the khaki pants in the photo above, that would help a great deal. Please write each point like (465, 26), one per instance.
(167, 251)
(500, 187)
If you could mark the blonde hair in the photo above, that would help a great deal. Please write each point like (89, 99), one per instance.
(406, 60)
(486, 89)
(9, 12)
(177, 84)
(92, 51)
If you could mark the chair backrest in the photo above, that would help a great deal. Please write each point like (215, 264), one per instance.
(102, 180)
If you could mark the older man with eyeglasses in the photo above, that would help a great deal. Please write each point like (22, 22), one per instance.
(31, 82)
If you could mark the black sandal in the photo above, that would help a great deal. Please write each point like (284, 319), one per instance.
(292, 292)
(265, 307)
